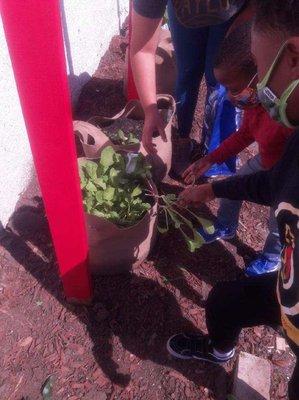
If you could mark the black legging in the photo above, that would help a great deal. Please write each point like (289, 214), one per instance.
(241, 304)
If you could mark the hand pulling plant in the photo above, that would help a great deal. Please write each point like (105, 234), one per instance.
(174, 215)
(114, 187)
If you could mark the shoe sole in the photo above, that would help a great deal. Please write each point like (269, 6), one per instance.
(264, 273)
(180, 357)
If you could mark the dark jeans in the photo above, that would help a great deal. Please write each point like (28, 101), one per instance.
(195, 51)
(241, 304)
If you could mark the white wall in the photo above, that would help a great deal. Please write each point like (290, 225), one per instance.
(88, 28)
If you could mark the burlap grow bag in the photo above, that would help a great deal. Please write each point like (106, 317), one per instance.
(114, 250)
(92, 139)
(161, 162)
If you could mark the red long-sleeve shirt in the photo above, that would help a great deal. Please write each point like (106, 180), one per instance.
(258, 127)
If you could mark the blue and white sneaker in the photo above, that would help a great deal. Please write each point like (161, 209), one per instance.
(220, 232)
(262, 265)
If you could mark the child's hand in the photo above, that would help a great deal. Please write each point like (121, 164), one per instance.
(195, 195)
(196, 170)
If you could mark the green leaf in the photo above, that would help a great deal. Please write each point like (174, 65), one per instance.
(207, 225)
(196, 243)
(162, 230)
(83, 179)
(170, 197)
(113, 175)
(175, 219)
(98, 213)
(107, 157)
(90, 187)
(121, 135)
(47, 388)
(88, 202)
(108, 194)
(100, 182)
(132, 139)
(136, 192)
(99, 197)
(192, 245)
(91, 169)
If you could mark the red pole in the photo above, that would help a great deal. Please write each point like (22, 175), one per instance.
(34, 37)
(132, 91)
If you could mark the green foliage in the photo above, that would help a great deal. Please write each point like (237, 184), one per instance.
(114, 187)
(121, 138)
(185, 225)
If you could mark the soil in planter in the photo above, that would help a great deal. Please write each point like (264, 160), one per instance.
(130, 126)
(127, 126)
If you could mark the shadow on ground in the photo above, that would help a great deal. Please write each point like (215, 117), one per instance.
(142, 313)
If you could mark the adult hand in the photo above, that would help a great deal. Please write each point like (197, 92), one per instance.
(196, 170)
(153, 123)
(195, 195)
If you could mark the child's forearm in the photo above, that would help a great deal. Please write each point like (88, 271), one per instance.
(255, 188)
(231, 147)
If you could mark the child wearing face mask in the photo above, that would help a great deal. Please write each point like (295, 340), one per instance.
(236, 70)
(270, 299)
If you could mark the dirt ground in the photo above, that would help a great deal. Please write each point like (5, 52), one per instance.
(115, 349)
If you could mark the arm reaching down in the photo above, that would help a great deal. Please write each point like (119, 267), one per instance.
(256, 188)
(144, 42)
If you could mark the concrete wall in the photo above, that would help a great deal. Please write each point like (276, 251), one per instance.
(88, 28)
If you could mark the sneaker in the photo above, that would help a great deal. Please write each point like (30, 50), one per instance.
(188, 346)
(220, 232)
(262, 265)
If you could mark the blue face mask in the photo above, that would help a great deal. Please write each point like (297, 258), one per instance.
(275, 106)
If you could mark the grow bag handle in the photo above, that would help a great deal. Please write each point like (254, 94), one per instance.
(134, 110)
(92, 138)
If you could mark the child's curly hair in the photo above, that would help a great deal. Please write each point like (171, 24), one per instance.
(277, 15)
(235, 51)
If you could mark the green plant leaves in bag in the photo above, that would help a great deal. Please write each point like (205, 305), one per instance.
(83, 180)
(107, 157)
(91, 169)
(90, 187)
(121, 136)
(110, 191)
(132, 139)
(88, 203)
(108, 194)
(100, 182)
(136, 192)
(114, 175)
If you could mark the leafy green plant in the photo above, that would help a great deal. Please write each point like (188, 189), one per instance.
(114, 187)
(176, 217)
(123, 139)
